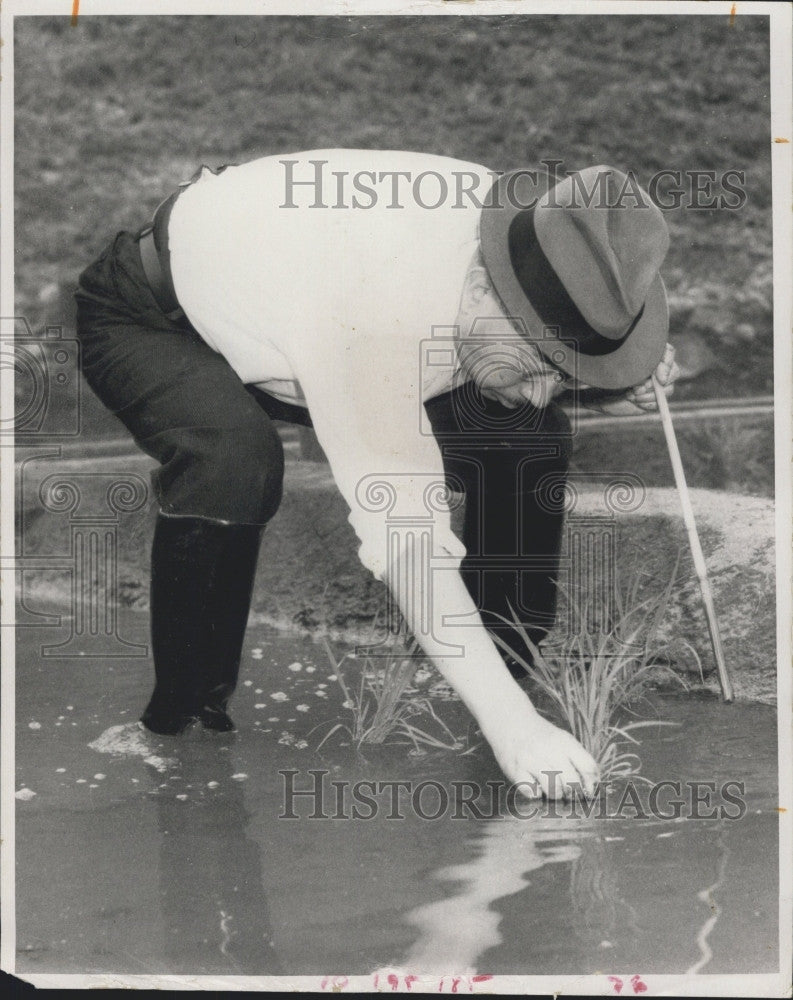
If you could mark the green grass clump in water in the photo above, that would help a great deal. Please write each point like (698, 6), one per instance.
(592, 680)
(385, 708)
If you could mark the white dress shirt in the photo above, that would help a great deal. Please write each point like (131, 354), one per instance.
(341, 294)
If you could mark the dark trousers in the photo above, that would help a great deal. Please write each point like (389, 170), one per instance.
(221, 457)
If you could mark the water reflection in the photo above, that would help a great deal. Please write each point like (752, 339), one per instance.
(598, 907)
(214, 909)
(455, 932)
(714, 911)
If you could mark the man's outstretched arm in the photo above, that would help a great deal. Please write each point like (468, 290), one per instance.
(366, 415)
(528, 747)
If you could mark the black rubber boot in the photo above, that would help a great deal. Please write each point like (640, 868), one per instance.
(202, 574)
(236, 571)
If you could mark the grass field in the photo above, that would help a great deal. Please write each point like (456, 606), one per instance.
(112, 113)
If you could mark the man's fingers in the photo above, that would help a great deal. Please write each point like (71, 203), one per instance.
(643, 396)
(587, 768)
(590, 776)
(556, 784)
(548, 785)
(645, 399)
(562, 783)
(668, 371)
(579, 771)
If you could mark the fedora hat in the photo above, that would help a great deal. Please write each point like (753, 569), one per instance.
(577, 266)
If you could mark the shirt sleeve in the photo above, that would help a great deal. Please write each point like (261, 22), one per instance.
(364, 397)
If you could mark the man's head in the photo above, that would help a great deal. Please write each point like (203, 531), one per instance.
(505, 365)
(576, 268)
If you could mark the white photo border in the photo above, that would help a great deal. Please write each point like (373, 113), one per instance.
(781, 44)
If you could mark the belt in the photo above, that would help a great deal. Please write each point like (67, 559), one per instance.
(156, 259)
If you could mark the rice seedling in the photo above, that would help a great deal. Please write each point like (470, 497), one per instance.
(385, 706)
(592, 680)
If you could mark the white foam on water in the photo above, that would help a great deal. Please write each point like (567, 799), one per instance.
(132, 739)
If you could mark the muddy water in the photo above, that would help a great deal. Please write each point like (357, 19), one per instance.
(193, 868)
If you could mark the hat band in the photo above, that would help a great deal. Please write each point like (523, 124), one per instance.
(548, 296)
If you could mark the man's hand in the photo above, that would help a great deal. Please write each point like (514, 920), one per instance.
(535, 754)
(641, 398)
(543, 758)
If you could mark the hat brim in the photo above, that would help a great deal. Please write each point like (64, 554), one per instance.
(628, 365)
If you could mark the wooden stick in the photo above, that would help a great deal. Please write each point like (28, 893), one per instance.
(693, 539)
